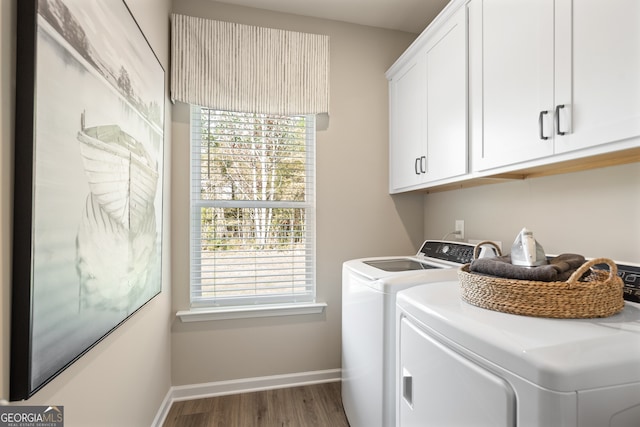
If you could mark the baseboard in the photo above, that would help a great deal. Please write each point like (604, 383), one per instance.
(244, 385)
(163, 411)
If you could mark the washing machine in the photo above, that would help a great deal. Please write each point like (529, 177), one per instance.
(461, 365)
(369, 288)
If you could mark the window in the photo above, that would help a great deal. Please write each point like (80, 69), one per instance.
(252, 208)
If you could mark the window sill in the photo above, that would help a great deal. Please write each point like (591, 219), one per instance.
(246, 312)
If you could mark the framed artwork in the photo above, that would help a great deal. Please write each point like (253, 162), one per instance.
(89, 141)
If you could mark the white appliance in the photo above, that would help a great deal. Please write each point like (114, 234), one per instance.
(369, 287)
(460, 365)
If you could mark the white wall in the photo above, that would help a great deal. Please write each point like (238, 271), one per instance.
(123, 380)
(355, 218)
(595, 213)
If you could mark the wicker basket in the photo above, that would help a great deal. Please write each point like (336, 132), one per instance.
(598, 295)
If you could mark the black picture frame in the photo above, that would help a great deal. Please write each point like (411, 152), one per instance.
(89, 147)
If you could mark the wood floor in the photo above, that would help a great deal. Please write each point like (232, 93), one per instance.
(317, 405)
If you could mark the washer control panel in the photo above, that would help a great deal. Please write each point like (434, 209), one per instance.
(458, 252)
(630, 275)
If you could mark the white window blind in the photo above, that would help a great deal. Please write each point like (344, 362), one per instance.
(252, 208)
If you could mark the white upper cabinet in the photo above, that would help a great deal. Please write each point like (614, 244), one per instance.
(511, 44)
(407, 148)
(597, 73)
(511, 88)
(428, 107)
(447, 104)
(552, 77)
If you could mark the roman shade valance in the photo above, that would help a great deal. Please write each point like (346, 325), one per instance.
(244, 68)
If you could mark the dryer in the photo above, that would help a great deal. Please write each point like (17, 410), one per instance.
(369, 288)
(467, 366)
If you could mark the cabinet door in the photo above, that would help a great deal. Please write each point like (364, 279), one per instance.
(512, 70)
(407, 156)
(447, 100)
(440, 387)
(598, 75)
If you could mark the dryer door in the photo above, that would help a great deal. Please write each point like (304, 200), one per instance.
(439, 387)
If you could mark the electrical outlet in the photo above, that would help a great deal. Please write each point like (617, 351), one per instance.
(460, 228)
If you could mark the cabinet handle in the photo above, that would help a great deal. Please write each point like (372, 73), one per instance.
(423, 164)
(540, 125)
(415, 165)
(558, 107)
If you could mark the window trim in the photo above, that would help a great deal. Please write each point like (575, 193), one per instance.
(250, 311)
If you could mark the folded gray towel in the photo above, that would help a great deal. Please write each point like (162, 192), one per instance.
(559, 268)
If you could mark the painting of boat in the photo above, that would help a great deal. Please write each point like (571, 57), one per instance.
(88, 219)
(117, 237)
(113, 262)
(122, 176)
